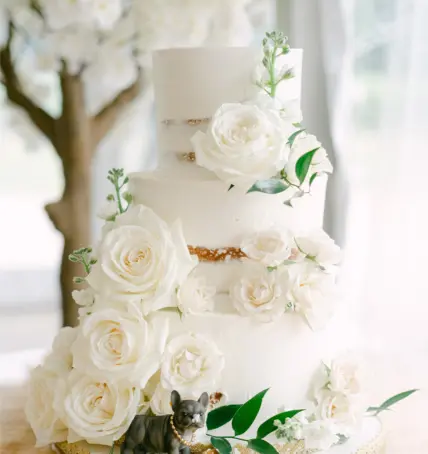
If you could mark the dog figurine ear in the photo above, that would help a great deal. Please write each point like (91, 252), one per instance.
(204, 400)
(175, 400)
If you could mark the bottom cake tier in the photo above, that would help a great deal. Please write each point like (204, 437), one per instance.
(369, 440)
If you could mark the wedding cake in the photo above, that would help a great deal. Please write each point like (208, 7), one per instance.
(213, 274)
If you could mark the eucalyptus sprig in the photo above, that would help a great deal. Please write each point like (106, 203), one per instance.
(84, 257)
(118, 179)
(242, 418)
(274, 46)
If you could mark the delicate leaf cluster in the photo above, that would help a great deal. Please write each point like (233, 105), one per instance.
(84, 257)
(119, 180)
(242, 418)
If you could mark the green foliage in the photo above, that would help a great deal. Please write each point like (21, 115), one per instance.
(220, 416)
(272, 186)
(222, 445)
(119, 180)
(246, 415)
(268, 426)
(261, 446)
(391, 401)
(82, 256)
(303, 164)
(293, 137)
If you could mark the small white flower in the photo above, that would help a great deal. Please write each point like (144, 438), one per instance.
(120, 345)
(191, 363)
(318, 246)
(269, 247)
(311, 291)
(243, 143)
(194, 296)
(60, 360)
(141, 258)
(319, 164)
(39, 409)
(108, 211)
(98, 411)
(258, 293)
(345, 375)
(160, 403)
(105, 13)
(84, 297)
(320, 435)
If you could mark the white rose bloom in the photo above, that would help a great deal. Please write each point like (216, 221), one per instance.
(345, 411)
(120, 345)
(243, 143)
(98, 411)
(258, 293)
(141, 258)
(39, 409)
(84, 297)
(105, 12)
(191, 363)
(345, 375)
(320, 435)
(311, 291)
(160, 403)
(60, 360)
(194, 296)
(269, 247)
(61, 14)
(318, 246)
(108, 211)
(319, 164)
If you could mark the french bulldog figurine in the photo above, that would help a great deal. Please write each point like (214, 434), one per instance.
(168, 433)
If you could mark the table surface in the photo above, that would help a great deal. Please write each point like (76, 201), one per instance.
(15, 433)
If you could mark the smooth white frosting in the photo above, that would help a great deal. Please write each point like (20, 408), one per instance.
(192, 83)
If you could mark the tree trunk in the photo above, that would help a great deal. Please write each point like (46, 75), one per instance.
(71, 214)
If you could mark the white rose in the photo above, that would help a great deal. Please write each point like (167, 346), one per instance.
(345, 375)
(160, 403)
(345, 411)
(60, 360)
(120, 345)
(311, 291)
(195, 296)
(39, 409)
(191, 363)
(258, 293)
(320, 435)
(319, 164)
(269, 247)
(96, 411)
(318, 246)
(84, 297)
(243, 143)
(141, 258)
(108, 211)
(105, 12)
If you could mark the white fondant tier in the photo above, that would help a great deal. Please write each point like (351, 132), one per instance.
(192, 83)
(369, 440)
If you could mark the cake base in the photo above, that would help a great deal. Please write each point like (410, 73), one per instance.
(370, 440)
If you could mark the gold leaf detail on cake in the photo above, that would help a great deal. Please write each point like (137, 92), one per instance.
(189, 121)
(225, 254)
(190, 156)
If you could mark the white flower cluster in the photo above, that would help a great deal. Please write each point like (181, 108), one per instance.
(106, 41)
(121, 360)
(336, 410)
(287, 273)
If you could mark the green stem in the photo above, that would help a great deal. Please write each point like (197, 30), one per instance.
(119, 199)
(272, 81)
(86, 265)
(229, 437)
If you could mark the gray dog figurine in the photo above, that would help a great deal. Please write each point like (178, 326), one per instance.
(168, 433)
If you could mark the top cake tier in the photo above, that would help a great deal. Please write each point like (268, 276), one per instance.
(191, 84)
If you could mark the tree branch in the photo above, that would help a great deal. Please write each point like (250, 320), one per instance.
(38, 116)
(104, 120)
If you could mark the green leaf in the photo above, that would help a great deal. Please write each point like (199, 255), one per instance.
(221, 416)
(312, 179)
(73, 258)
(268, 426)
(293, 136)
(272, 186)
(303, 163)
(222, 445)
(261, 446)
(246, 415)
(391, 401)
(78, 280)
